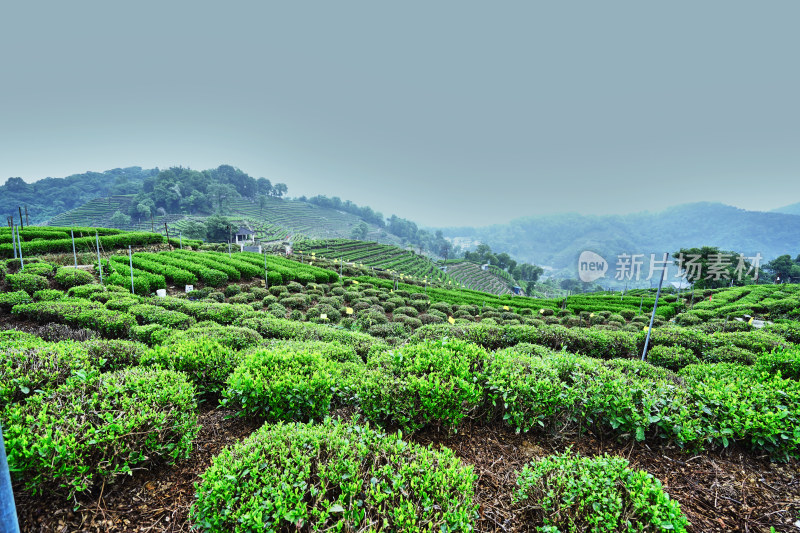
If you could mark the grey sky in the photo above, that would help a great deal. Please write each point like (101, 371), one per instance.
(448, 113)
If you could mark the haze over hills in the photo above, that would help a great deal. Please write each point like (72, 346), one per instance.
(181, 196)
(557, 240)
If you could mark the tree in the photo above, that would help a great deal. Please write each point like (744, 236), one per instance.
(279, 189)
(359, 232)
(709, 267)
(195, 230)
(222, 194)
(120, 219)
(783, 269)
(262, 202)
(218, 228)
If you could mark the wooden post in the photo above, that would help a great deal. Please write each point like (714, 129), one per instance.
(166, 229)
(99, 264)
(20, 216)
(27, 222)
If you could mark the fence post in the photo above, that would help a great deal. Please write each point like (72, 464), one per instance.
(180, 238)
(19, 243)
(130, 259)
(99, 264)
(655, 306)
(14, 239)
(74, 255)
(8, 511)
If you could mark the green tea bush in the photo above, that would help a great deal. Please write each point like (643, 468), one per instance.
(671, 357)
(68, 277)
(152, 314)
(277, 310)
(573, 493)
(39, 269)
(206, 362)
(233, 337)
(150, 334)
(784, 361)
(232, 290)
(96, 428)
(47, 295)
(431, 383)
(116, 354)
(31, 365)
(29, 283)
(10, 299)
(729, 354)
(282, 383)
(334, 477)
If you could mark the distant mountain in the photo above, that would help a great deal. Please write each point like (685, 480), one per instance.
(793, 209)
(557, 240)
(48, 197)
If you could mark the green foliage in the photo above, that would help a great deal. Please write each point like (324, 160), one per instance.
(115, 354)
(428, 383)
(671, 357)
(784, 361)
(334, 477)
(152, 314)
(572, 493)
(10, 299)
(31, 364)
(282, 383)
(47, 295)
(96, 428)
(78, 313)
(206, 362)
(29, 283)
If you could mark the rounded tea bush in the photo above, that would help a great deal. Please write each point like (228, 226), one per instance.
(334, 476)
(30, 283)
(671, 357)
(573, 493)
(96, 428)
(205, 361)
(67, 277)
(282, 383)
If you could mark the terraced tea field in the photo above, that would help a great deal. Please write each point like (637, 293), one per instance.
(238, 405)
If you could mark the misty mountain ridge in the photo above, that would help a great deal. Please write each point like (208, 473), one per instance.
(557, 240)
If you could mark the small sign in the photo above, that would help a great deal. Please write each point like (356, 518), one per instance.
(323, 316)
(541, 311)
(646, 329)
(189, 288)
(355, 281)
(505, 307)
(451, 320)
(348, 310)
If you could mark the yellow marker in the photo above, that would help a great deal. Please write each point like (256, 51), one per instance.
(323, 316)
(310, 263)
(348, 310)
(591, 315)
(646, 329)
(451, 320)
(505, 307)
(541, 311)
(355, 281)
(750, 321)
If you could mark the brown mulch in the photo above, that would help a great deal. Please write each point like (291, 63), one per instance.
(718, 491)
(149, 500)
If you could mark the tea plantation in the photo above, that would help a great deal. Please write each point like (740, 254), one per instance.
(353, 390)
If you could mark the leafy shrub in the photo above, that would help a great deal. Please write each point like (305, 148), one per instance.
(10, 299)
(231, 336)
(426, 383)
(100, 427)
(116, 354)
(406, 310)
(378, 479)
(242, 298)
(153, 314)
(29, 283)
(294, 302)
(729, 354)
(47, 295)
(68, 277)
(39, 269)
(572, 493)
(232, 290)
(277, 310)
(206, 362)
(627, 314)
(282, 383)
(671, 357)
(30, 365)
(332, 314)
(368, 318)
(785, 361)
(217, 296)
(150, 334)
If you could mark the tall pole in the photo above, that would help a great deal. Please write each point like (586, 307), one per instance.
(166, 230)
(20, 216)
(99, 264)
(8, 511)
(14, 240)
(655, 306)
(130, 259)
(27, 222)
(74, 255)
(180, 239)
(19, 243)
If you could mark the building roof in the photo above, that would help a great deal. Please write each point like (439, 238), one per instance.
(245, 231)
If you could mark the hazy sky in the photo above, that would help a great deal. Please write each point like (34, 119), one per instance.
(448, 113)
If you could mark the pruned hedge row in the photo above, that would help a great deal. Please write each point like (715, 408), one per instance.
(65, 245)
(78, 313)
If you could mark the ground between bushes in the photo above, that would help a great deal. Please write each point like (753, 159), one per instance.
(718, 491)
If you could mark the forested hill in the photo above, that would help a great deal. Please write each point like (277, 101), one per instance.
(50, 196)
(557, 240)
